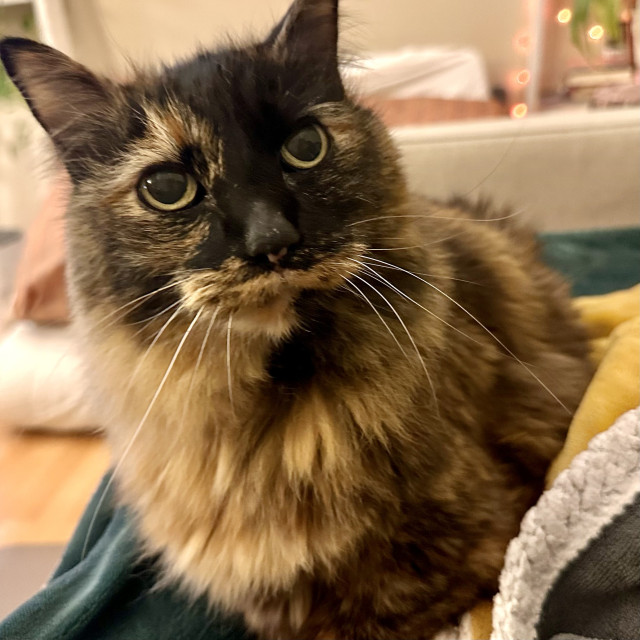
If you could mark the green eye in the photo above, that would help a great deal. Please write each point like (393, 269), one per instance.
(168, 189)
(306, 147)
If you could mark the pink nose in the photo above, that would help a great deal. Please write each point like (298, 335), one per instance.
(275, 257)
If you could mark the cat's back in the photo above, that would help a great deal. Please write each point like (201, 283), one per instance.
(497, 268)
(508, 303)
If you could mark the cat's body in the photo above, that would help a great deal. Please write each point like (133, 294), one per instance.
(336, 435)
(330, 485)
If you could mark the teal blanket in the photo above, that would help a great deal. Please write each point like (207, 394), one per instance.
(595, 262)
(111, 594)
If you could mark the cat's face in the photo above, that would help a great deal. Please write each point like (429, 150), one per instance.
(228, 182)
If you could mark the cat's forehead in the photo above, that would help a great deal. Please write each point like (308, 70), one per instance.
(239, 89)
(248, 77)
(231, 103)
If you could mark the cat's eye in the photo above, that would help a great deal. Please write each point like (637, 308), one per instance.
(306, 147)
(168, 189)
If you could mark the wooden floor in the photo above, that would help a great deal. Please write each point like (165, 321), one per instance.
(45, 483)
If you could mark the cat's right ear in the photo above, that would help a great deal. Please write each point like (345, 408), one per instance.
(61, 93)
(308, 29)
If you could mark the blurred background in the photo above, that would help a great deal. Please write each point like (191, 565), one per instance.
(418, 62)
(533, 103)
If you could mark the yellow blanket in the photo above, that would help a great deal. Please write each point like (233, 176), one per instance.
(613, 322)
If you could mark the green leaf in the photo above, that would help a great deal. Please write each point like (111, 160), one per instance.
(579, 22)
(604, 12)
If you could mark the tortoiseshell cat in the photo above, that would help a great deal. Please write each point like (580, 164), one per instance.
(331, 402)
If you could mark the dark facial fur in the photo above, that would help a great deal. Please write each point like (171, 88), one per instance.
(338, 440)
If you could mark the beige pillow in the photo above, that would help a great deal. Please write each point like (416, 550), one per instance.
(40, 289)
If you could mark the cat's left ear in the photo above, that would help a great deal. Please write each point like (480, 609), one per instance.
(309, 30)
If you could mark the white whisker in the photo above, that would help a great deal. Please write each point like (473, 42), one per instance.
(146, 321)
(229, 361)
(410, 299)
(413, 246)
(101, 326)
(415, 346)
(427, 216)
(138, 300)
(417, 246)
(498, 163)
(197, 366)
(504, 346)
(146, 353)
(366, 299)
(138, 429)
(421, 273)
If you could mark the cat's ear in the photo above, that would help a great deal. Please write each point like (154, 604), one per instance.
(309, 29)
(61, 93)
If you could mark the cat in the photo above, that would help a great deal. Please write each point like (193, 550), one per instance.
(330, 401)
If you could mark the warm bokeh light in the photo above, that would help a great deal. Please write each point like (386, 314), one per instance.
(596, 32)
(523, 77)
(564, 16)
(519, 110)
(522, 42)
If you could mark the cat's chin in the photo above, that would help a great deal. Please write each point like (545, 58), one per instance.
(262, 303)
(274, 317)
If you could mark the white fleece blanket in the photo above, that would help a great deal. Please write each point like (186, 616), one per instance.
(597, 487)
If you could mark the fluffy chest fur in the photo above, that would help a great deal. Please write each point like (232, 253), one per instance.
(241, 480)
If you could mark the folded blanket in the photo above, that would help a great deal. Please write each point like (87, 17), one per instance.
(613, 321)
(575, 567)
(614, 325)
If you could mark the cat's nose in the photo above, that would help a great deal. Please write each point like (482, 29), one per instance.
(268, 232)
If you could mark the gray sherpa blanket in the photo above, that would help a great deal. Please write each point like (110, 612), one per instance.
(574, 569)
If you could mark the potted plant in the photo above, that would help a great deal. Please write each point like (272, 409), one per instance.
(615, 19)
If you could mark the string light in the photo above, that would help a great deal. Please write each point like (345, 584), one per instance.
(596, 32)
(564, 16)
(519, 110)
(522, 42)
(523, 76)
